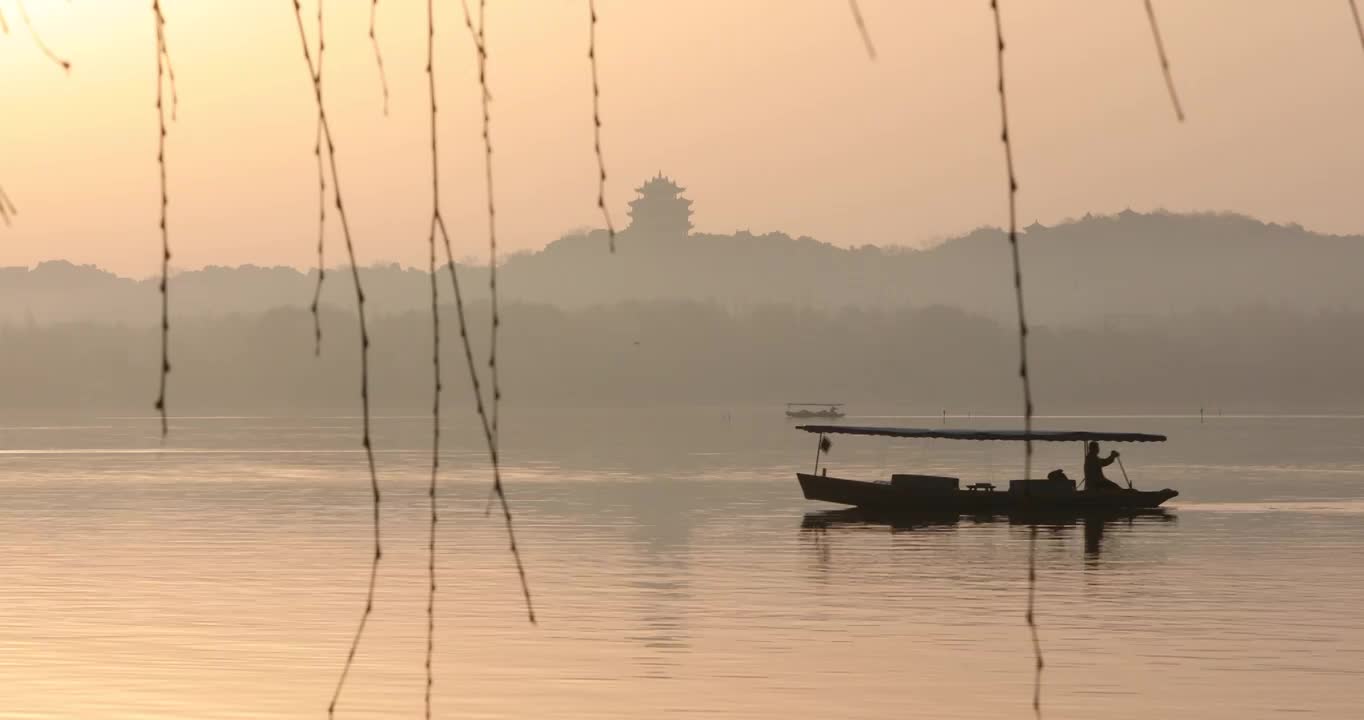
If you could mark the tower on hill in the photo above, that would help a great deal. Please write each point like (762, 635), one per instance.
(660, 208)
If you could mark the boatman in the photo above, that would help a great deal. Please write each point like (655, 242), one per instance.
(1094, 469)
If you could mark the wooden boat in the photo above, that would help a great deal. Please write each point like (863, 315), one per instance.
(802, 410)
(935, 493)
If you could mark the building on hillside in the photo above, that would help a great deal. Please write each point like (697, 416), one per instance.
(660, 208)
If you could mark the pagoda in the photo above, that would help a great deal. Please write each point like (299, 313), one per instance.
(660, 208)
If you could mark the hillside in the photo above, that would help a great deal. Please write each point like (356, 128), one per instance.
(1096, 268)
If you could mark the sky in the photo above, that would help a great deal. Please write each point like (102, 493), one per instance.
(769, 112)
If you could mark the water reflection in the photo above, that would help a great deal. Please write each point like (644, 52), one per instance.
(661, 533)
(1058, 523)
(222, 581)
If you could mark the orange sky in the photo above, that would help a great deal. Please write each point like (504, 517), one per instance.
(768, 111)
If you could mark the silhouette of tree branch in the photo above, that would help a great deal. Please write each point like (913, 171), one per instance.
(170, 71)
(7, 208)
(1022, 346)
(378, 57)
(496, 321)
(38, 39)
(1359, 25)
(321, 195)
(435, 358)
(477, 33)
(315, 76)
(596, 126)
(483, 416)
(862, 28)
(1164, 62)
(164, 74)
(477, 38)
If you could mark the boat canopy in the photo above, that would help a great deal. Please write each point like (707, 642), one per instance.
(962, 434)
(815, 404)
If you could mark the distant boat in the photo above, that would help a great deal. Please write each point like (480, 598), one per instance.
(909, 493)
(802, 410)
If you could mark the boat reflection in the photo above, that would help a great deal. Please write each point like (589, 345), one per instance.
(1093, 523)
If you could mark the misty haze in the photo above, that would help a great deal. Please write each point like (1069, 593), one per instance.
(1133, 312)
(632, 360)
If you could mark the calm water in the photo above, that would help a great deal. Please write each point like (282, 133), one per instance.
(675, 573)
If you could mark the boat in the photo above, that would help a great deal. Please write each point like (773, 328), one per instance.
(917, 493)
(802, 410)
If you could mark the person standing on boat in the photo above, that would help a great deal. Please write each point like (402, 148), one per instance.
(1094, 469)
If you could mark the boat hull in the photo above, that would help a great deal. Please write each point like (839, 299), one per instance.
(885, 497)
(942, 518)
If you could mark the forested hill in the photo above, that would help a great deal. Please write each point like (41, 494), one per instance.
(1095, 268)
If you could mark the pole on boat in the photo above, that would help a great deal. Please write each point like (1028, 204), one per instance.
(1124, 474)
(819, 448)
(1084, 452)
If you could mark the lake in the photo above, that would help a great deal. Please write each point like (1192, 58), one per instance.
(676, 571)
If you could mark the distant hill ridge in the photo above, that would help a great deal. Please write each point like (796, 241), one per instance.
(1096, 267)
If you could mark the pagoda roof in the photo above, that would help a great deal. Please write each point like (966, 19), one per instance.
(660, 182)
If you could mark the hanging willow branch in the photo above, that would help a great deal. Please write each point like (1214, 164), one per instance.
(38, 39)
(1022, 347)
(1164, 62)
(378, 56)
(164, 73)
(596, 126)
(7, 208)
(489, 423)
(315, 77)
(1359, 25)
(435, 359)
(321, 195)
(483, 416)
(495, 318)
(862, 28)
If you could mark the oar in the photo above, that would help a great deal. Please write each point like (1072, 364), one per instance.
(1124, 474)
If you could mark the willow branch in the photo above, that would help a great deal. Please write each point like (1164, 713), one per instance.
(38, 39)
(1359, 25)
(316, 78)
(596, 127)
(1022, 345)
(321, 196)
(162, 71)
(7, 208)
(1164, 62)
(378, 56)
(489, 422)
(435, 360)
(862, 28)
